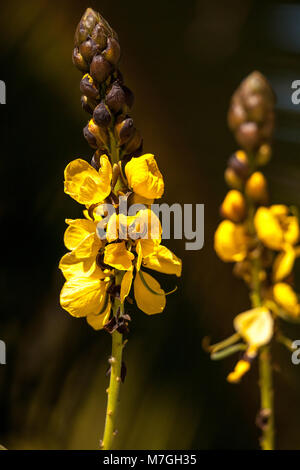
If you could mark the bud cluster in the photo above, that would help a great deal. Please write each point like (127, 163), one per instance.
(104, 95)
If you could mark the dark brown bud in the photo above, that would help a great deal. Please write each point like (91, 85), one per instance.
(88, 49)
(86, 25)
(134, 143)
(95, 162)
(248, 136)
(99, 35)
(236, 115)
(113, 52)
(124, 130)
(91, 140)
(116, 97)
(89, 87)
(79, 61)
(88, 105)
(100, 68)
(238, 162)
(98, 132)
(102, 115)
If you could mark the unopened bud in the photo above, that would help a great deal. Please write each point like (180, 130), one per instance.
(112, 52)
(116, 97)
(256, 187)
(86, 25)
(124, 130)
(232, 179)
(89, 87)
(102, 115)
(239, 163)
(236, 116)
(255, 107)
(88, 104)
(88, 49)
(247, 135)
(79, 61)
(234, 206)
(100, 68)
(134, 143)
(263, 155)
(91, 140)
(99, 35)
(98, 132)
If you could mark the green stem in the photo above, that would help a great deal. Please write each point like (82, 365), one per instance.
(265, 371)
(113, 391)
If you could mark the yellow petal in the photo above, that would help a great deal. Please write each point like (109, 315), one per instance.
(255, 326)
(239, 371)
(117, 256)
(99, 321)
(144, 177)
(291, 234)
(126, 285)
(231, 241)
(71, 266)
(84, 184)
(77, 231)
(149, 299)
(234, 206)
(283, 264)
(164, 261)
(268, 228)
(82, 296)
(286, 298)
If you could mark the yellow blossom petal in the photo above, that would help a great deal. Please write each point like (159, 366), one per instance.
(144, 177)
(239, 371)
(117, 256)
(71, 266)
(283, 263)
(231, 241)
(84, 184)
(149, 299)
(291, 234)
(126, 285)
(234, 206)
(255, 326)
(83, 296)
(164, 261)
(286, 298)
(268, 228)
(77, 231)
(99, 321)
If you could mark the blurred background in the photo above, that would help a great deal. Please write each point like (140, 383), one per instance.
(183, 60)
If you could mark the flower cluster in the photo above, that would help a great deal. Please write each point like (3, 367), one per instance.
(100, 270)
(261, 239)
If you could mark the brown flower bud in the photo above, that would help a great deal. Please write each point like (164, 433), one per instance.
(79, 61)
(255, 107)
(98, 132)
(236, 115)
(88, 49)
(91, 140)
(100, 68)
(124, 130)
(247, 135)
(88, 105)
(86, 25)
(113, 52)
(134, 143)
(238, 162)
(102, 115)
(99, 35)
(88, 87)
(116, 97)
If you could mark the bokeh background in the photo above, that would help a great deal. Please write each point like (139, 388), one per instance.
(183, 60)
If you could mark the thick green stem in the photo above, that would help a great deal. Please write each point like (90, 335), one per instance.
(113, 391)
(265, 372)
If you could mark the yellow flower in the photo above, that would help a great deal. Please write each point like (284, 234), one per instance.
(117, 256)
(284, 263)
(231, 241)
(149, 296)
(275, 228)
(255, 326)
(234, 206)
(87, 185)
(144, 177)
(286, 298)
(87, 297)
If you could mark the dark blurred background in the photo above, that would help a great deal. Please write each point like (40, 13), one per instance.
(183, 60)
